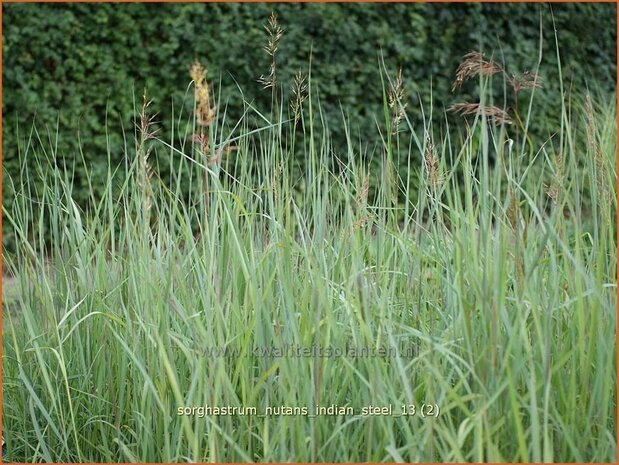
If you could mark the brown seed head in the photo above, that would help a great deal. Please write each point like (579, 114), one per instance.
(474, 63)
(526, 80)
(205, 113)
(497, 115)
(431, 163)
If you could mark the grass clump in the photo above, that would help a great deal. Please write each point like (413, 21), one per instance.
(479, 289)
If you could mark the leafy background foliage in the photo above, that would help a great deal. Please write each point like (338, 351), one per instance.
(77, 70)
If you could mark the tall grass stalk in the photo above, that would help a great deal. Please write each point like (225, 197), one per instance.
(503, 287)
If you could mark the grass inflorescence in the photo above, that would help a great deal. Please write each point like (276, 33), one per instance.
(484, 282)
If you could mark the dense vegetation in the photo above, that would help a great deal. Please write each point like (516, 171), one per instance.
(75, 69)
(496, 279)
(471, 253)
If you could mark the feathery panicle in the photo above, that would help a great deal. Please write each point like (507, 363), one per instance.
(361, 199)
(269, 80)
(146, 121)
(555, 189)
(299, 92)
(524, 81)
(274, 33)
(205, 113)
(601, 180)
(474, 63)
(497, 115)
(431, 163)
(396, 91)
(202, 141)
(360, 205)
(396, 98)
(145, 173)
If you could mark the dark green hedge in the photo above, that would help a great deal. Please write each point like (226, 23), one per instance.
(74, 66)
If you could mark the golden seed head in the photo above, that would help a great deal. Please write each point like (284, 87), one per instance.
(497, 115)
(205, 113)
